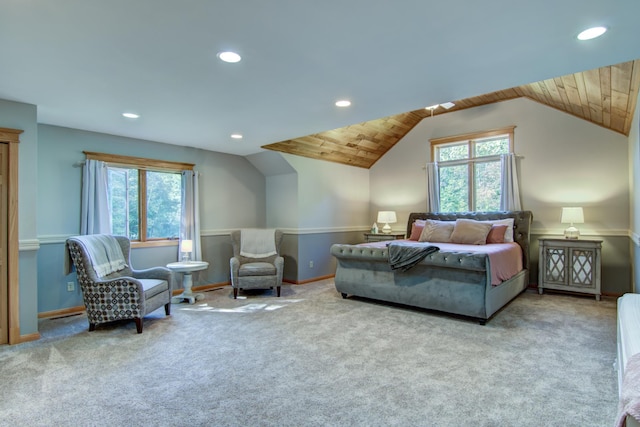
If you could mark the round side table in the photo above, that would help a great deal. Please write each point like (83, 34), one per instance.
(187, 268)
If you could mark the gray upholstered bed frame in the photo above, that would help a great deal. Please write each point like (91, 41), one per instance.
(452, 282)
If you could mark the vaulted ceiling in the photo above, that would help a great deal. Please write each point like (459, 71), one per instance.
(82, 64)
(605, 96)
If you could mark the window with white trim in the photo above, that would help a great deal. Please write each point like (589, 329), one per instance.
(469, 171)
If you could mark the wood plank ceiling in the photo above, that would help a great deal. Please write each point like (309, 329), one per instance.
(605, 96)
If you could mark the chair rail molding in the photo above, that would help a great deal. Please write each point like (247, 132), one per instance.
(585, 232)
(29, 245)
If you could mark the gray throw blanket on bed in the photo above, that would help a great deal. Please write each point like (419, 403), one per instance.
(403, 256)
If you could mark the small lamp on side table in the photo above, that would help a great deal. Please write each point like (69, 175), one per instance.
(186, 247)
(387, 217)
(572, 216)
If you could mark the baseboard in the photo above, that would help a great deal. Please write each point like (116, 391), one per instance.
(203, 288)
(71, 311)
(302, 282)
(26, 338)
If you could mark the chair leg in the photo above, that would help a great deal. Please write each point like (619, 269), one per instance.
(167, 309)
(235, 293)
(138, 324)
(278, 290)
(92, 327)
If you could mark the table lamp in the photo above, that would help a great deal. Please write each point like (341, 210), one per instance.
(186, 247)
(572, 216)
(388, 217)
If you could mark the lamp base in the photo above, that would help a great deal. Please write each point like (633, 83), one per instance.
(386, 229)
(571, 233)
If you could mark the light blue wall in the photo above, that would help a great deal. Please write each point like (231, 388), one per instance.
(231, 196)
(17, 115)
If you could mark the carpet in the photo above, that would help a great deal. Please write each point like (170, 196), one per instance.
(311, 358)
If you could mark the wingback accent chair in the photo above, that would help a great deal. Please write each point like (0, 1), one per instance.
(253, 271)
(114, 292)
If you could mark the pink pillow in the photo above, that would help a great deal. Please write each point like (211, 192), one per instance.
(496, 234)
(416, 229)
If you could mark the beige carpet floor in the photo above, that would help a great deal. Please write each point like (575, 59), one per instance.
(310, 358)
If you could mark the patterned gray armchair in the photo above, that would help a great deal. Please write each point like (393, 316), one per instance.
(255, 272)
(121, 294)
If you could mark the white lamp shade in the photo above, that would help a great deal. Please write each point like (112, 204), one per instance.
(186, 246)
(572, 216)
(387, 217)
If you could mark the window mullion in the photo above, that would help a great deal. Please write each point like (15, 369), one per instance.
(142, 204)
(470, 170)
(471, 192)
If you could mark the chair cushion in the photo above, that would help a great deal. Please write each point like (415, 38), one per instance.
(153, 287)
(257, 269)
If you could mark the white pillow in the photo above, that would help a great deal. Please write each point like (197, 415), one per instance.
(508, 234)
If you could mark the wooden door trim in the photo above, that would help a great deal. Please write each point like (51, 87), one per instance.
(12, 136)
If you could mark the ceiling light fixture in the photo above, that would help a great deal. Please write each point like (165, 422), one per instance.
(446, 105)
(343, 103)
(131, 115)
(229, 56)
(236, 135)
(592, 33)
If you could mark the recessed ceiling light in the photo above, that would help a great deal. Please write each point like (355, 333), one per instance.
(236, 135)
(343, 103)
(592, 33)
(131, 115)
(432, 107)
(229, 57)
(448, 105)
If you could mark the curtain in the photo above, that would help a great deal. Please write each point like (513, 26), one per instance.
(190, 222)
(433, 188)
(510, 190)
(95, 209)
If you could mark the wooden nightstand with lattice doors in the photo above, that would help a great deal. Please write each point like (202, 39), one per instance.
(571, 265)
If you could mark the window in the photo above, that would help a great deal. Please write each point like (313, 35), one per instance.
(145, 197)
(469, 169)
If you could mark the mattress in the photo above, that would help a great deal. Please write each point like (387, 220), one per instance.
(505, 258)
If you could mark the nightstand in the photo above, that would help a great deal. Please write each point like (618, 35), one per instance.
(379, 237)
(570, 265)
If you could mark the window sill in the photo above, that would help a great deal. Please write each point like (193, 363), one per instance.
(155, 243)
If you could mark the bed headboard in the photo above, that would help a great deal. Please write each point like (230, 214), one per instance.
(521, 224)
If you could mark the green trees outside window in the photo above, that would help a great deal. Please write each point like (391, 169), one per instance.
(158, 217)
(469, 170)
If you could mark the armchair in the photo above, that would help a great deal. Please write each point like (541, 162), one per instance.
(253, 268)
(111, 289)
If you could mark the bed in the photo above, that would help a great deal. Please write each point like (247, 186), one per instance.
(456, 278)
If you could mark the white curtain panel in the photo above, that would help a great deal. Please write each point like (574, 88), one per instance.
(433, 188)
(95, 209)
(510, 190)
(190, 223)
